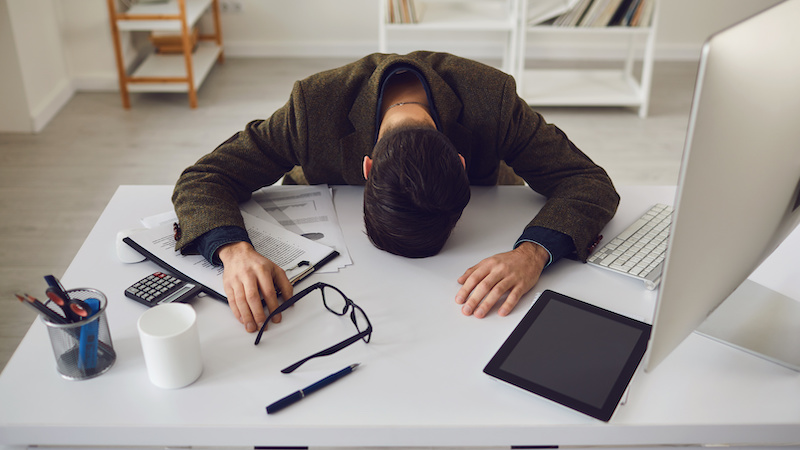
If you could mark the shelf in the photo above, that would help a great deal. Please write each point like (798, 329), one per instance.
(590, 86)
(555, 87)
(179, 72)
(614, 30)
(174, 66)
(453, 15)
(194, 9)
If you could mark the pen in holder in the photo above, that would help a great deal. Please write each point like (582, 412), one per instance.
(83, 348)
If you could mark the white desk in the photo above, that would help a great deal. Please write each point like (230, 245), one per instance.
(421, 382)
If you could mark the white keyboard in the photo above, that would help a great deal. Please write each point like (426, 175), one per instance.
(639, 251)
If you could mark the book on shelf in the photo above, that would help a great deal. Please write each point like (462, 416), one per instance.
(643, 15)
(540, 12)
(401, 12)
(573, 16)
(605, 13)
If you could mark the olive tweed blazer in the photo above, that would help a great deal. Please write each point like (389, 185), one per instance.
(329, 125)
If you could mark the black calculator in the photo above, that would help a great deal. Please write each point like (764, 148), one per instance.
(158, 288)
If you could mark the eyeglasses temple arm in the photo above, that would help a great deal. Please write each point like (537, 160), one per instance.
(283, 307)
(328, 351)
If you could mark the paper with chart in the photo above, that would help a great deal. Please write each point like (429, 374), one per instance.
(293, 253)
(309, 212)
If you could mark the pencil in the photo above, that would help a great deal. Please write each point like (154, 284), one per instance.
(42, 309)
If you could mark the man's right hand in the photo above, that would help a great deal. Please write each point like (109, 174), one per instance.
(247, 278)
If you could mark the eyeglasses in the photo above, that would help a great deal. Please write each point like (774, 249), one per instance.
(336, 302)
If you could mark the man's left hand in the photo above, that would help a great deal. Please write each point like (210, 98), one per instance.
(513, 273)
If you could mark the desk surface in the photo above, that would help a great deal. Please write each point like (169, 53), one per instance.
(421, 380)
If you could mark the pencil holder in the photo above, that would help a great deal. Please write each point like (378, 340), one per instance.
(83, 349)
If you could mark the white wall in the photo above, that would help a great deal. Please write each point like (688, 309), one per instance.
(35, 75)
(302, 27)
(14, 109)
(685, 24)
(88, 49)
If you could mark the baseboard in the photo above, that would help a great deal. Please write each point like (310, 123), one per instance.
(47, 109)
(247, 49)
(97, 83)
(481, 50)
(353, 50)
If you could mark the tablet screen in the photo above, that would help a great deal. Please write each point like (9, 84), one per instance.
(573, 353)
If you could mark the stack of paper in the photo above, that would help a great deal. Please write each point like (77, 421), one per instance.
(296, 228)
(307, 211)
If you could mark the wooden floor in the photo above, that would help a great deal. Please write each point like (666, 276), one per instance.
(55, 184)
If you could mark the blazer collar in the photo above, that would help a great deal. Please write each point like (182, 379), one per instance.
(362, 113)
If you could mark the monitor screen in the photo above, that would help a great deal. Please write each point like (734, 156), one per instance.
(737, 195)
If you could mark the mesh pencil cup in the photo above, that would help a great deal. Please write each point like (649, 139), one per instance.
(83, 349)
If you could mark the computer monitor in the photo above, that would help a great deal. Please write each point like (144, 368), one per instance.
(737, 196)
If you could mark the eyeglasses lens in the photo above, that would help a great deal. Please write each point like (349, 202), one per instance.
(338, 304)
(333, 299)
(361, 322)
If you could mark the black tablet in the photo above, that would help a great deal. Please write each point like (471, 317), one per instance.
(573, 353)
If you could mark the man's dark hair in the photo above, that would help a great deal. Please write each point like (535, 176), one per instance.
(415, 193)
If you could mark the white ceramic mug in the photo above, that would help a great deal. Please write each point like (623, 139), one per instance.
(171, 345)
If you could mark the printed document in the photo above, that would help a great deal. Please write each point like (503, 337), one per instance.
(305, 210)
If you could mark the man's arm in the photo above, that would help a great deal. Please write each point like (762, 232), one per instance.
(581, 199)
(206, 199)
(207, 196)
(208, 193)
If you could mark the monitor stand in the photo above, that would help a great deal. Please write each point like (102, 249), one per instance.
(760, 321)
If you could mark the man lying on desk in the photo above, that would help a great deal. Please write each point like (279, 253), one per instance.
(416, 130)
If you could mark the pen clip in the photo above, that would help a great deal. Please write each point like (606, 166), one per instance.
(301, 276)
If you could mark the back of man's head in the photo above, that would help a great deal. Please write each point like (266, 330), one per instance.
(415, 193)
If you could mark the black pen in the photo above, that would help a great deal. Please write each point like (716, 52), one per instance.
(311, 269)
(297, 396)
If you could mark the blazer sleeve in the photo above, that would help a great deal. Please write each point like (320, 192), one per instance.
(207, 194)
(581, 198)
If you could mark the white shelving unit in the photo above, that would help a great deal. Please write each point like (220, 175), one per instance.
(182, 72)
(590, 87)
(454, 15)
(541, 86)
